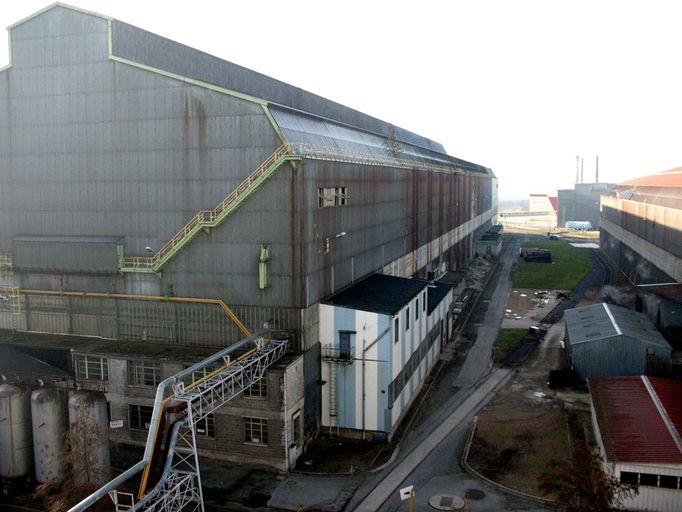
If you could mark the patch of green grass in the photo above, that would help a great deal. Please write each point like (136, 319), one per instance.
(506, 340)
(569, 265)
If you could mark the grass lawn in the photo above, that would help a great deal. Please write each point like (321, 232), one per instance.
(506, 341)
(569, 265)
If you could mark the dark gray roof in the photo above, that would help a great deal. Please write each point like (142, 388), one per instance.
(600, 321)
(378, 293)
(435, 294)
(144, 47)
(15, 364)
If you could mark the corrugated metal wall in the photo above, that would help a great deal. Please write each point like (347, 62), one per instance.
(656, 224)
(131, 155)
(617, 356)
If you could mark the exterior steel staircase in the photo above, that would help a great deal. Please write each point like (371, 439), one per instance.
(207, 219)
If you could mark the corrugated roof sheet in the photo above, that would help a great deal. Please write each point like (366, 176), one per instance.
(378, 293)
(600, 321)
(670, 178)
(633, 427)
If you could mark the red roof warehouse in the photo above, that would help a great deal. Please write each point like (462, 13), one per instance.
(638, 421)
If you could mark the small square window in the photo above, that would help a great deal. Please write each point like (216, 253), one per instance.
(140, 416)
(91, 367)
(256, 430)
(668, 481)
(143, 373)
(258, 389)
(648, 479)
(206, 426)
(626, 477)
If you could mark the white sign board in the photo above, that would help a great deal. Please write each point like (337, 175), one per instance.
(116, 424)
(407, 492)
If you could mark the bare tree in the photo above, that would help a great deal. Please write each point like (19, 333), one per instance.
(583, 485)
(84, 473)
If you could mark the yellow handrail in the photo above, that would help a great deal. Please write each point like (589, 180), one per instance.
(218, 302)
(207, 217)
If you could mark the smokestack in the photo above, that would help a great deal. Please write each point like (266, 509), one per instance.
(582, 169)
(577, 168)
(596, 173)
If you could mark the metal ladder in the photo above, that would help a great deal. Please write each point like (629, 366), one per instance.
(333, 407)
(207, 219)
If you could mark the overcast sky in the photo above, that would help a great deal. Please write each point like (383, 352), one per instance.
(521, 86)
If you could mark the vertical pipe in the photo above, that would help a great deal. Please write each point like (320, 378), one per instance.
(596, 173)
(582, 169)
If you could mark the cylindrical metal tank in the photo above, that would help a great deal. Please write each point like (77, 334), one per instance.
(89, 437)
(16, 448)
(48, 407)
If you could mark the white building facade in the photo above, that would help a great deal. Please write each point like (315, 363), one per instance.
(380, 339)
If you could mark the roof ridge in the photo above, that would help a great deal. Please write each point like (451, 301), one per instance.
(663, 413)
(612, 318)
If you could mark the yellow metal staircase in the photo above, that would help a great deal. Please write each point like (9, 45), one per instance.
(207, 219)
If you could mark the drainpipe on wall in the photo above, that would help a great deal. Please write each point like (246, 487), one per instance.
(364, 351)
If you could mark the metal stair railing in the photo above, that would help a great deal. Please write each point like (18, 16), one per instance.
(206, 219)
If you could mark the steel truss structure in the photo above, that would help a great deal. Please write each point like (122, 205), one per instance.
(179, 487)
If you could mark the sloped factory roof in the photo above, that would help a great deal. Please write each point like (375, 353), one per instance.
(303, 117)
(640, 418)
(599, 321)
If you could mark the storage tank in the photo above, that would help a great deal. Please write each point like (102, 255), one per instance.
(16, 448)
(89, 436)
(48, 414)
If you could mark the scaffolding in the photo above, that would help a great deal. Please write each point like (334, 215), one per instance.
(178, 408)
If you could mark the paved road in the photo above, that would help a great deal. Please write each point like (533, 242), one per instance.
(430, 455)
(491, 304)
(395, 477)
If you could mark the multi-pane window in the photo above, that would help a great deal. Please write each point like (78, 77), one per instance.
(143, 373)
(256, 430)
(140, 416)
(331, 196)
(258, 389)
(92, 368)
(206, 426)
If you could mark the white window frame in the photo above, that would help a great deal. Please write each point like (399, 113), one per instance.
(258, 390)
(254, 425)
(140, 371)
(87, 365)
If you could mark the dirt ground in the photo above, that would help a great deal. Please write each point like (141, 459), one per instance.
(528, 425)
(528, 307)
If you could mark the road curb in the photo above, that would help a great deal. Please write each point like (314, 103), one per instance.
(474, 473)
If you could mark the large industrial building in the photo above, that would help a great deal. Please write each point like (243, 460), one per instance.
(640, 232)
(581, 203)
(152, 195)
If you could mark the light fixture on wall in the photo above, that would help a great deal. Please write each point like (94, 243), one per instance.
(327, 241)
